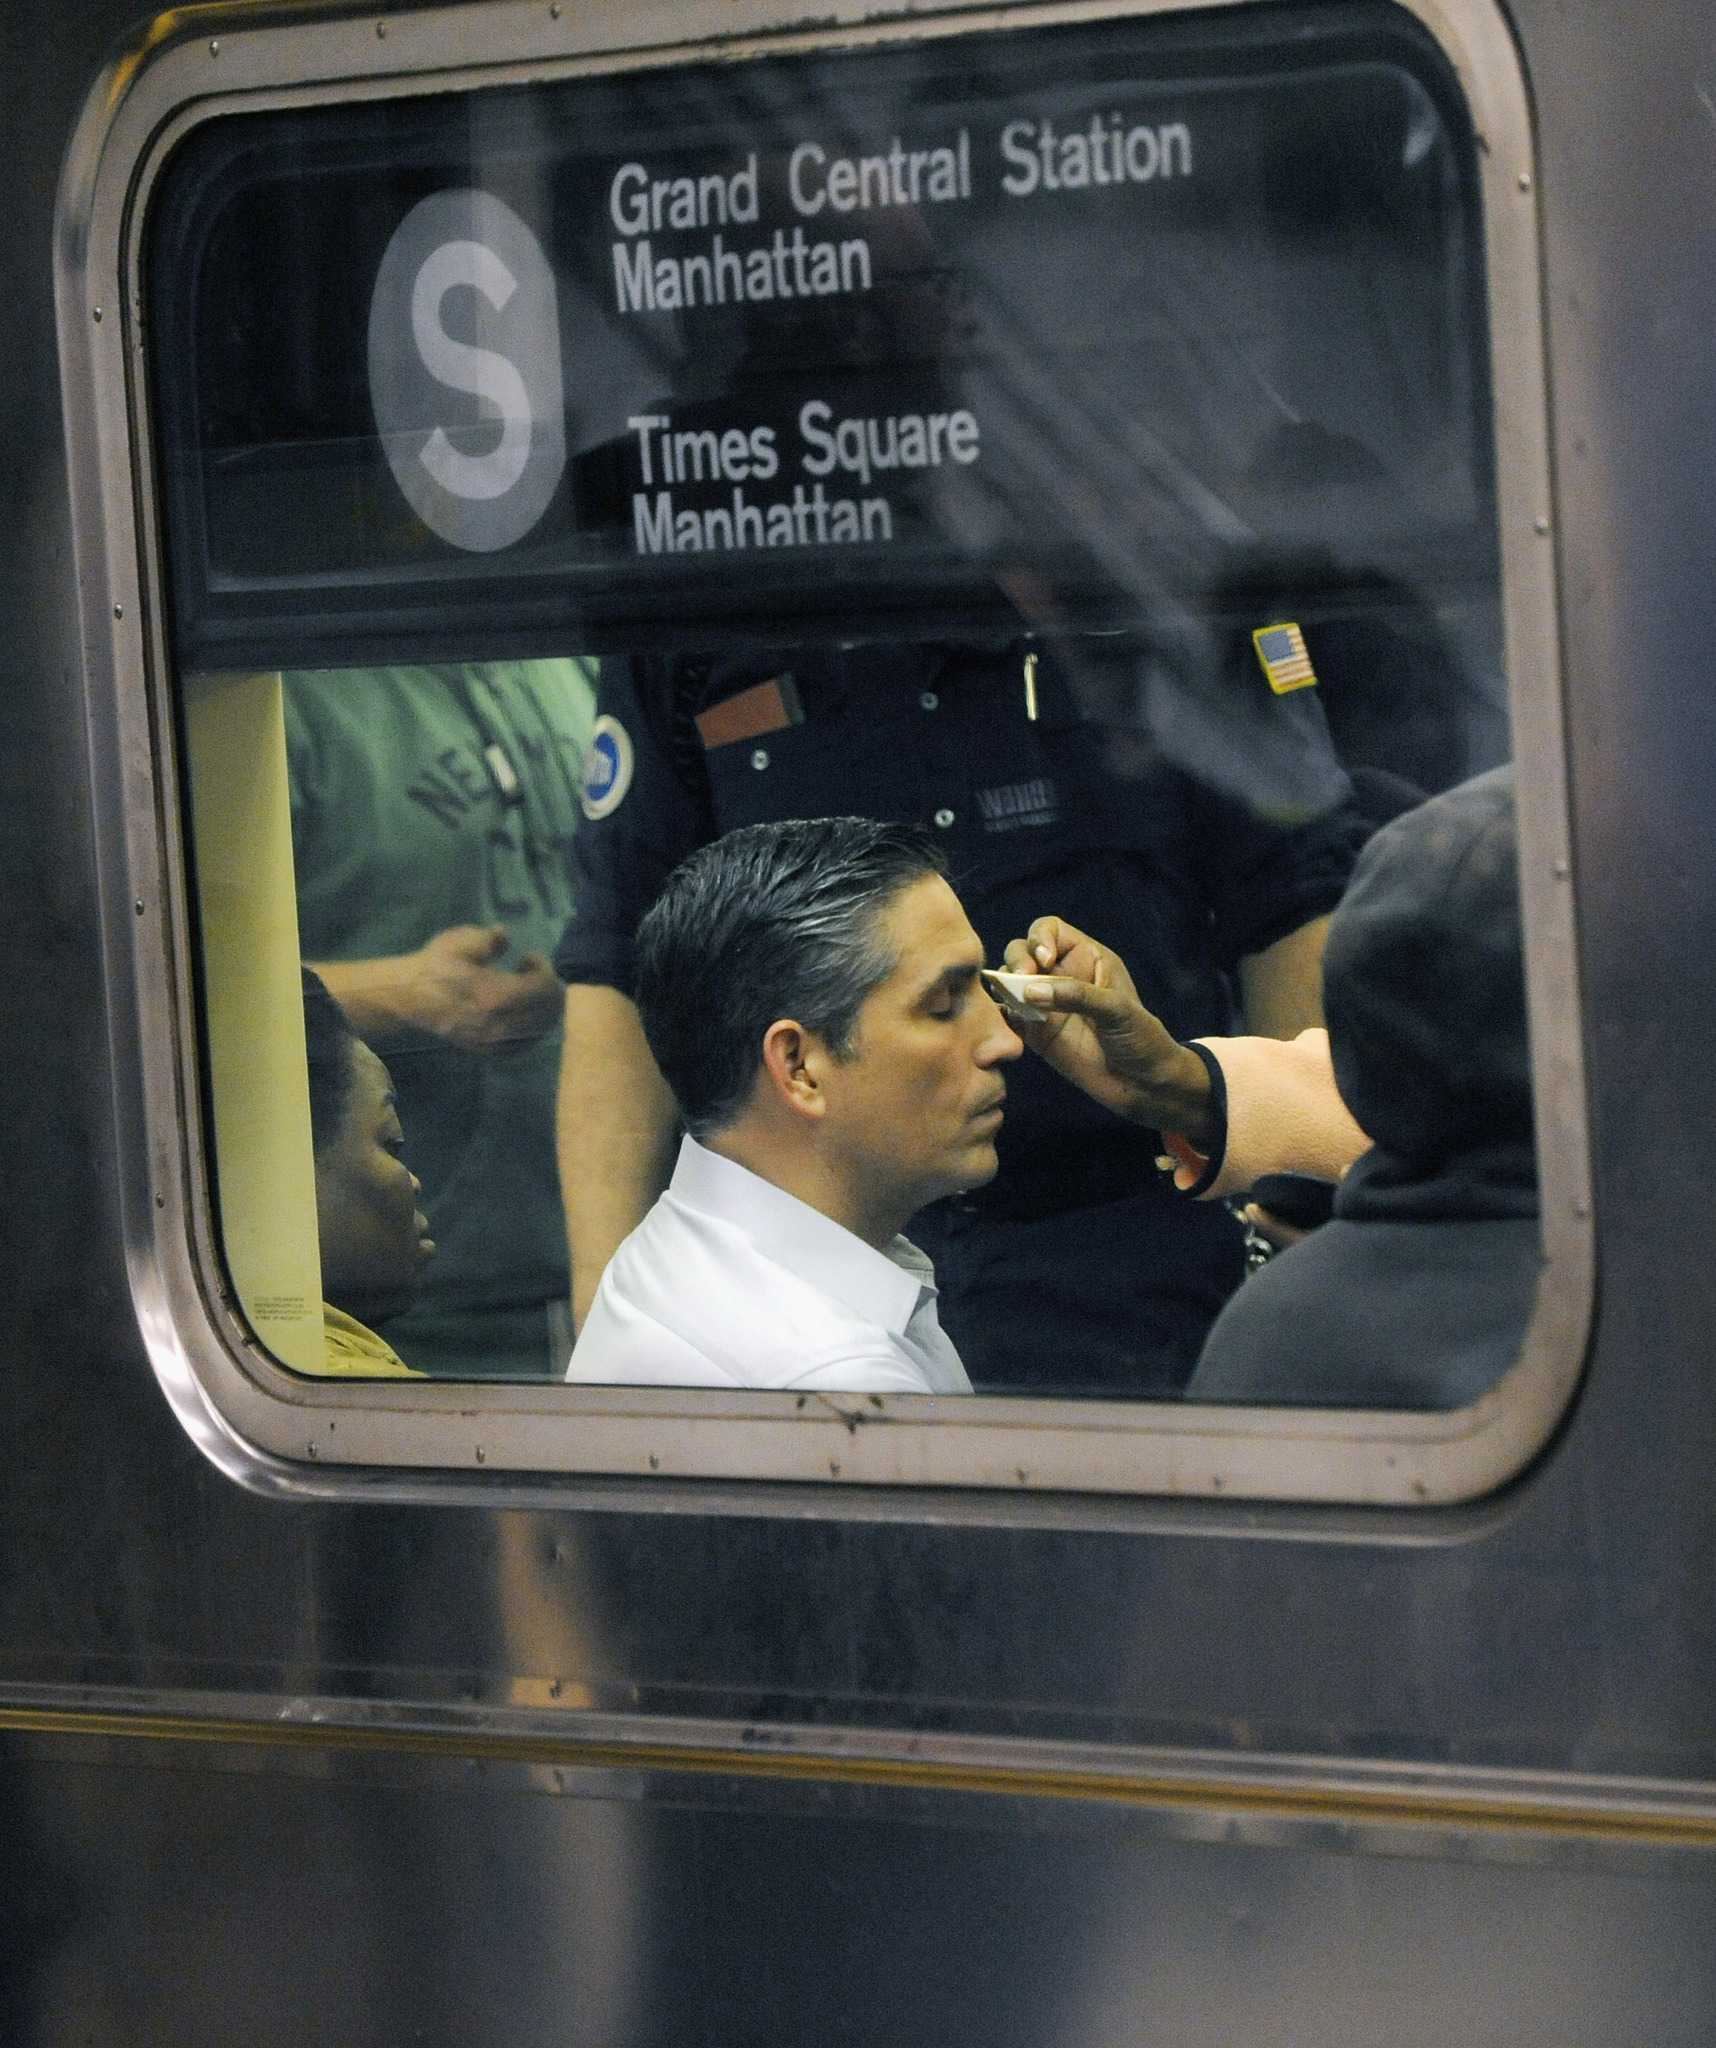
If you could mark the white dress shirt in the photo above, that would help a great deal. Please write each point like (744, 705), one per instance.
(729, 1281)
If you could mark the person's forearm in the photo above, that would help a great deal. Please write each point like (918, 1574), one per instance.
(1282, 987)
(1176, 1096)
(616, 1130)
(451, 988)
(376, 995)
(1284, 1114)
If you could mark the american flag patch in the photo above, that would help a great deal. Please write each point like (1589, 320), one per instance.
(1281, 649)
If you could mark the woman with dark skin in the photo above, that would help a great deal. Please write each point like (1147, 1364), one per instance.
(374, 1239)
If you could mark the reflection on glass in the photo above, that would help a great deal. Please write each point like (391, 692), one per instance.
(1074, 443)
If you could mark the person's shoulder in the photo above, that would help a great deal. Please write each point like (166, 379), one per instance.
(337, 688)
(873, 1367)
(354, 1350)
(623, 1344)
(720, 1298)
(365, 710)
(1376, 1315)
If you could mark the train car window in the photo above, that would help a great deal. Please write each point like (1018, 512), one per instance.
(877, 686)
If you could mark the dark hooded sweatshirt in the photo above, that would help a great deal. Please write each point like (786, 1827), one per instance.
(1418, 1293)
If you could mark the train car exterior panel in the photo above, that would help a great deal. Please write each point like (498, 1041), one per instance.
(504, 1872)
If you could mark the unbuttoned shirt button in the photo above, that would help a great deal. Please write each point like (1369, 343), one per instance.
(760, 759)
(929, 701)
(944, 819)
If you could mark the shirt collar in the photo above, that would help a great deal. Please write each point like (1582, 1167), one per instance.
(886, 1288)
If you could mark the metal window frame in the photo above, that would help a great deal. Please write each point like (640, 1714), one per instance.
(1035, 1461)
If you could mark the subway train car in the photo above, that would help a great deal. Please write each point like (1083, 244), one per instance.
(465, 461)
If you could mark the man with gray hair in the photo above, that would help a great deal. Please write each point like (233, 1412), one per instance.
(811, 991)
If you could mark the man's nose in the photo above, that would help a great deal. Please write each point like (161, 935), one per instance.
(1000, 1041)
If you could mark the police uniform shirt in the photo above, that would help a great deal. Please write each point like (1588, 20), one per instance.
(1076, 1234)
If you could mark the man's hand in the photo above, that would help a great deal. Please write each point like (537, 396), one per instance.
(1085, 1019)
(1274, 1229)
(451, 989)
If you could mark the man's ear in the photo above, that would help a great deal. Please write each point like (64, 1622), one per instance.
(792, 1067)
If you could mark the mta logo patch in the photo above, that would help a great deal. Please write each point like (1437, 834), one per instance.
(1281, 649)
(607, 769)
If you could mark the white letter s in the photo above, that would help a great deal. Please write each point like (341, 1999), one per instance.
(811, 413)
(491, 377)
(1024, 179)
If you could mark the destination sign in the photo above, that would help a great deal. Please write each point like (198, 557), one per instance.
(895, 338)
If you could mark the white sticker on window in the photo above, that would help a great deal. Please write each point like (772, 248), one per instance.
(464, 370)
